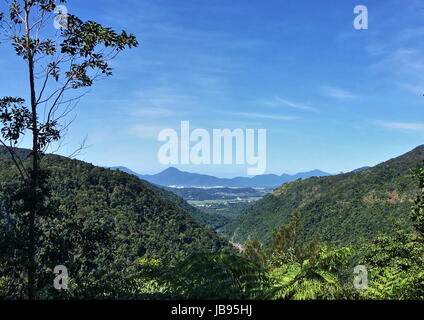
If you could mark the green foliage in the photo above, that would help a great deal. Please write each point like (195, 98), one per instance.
(255, 252)
(342, 209)
(396, 262)
(71, 59)
(287, 247)
(286, 238)
(106, 233)
(149, 280)
(418, 210)
(300, 271)
(395, 267)
(390, 283)
(217, 276)
(204, 218)
(318, 278)
(103, 223)
(217, 213)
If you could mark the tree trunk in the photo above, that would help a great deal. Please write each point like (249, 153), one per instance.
(35, 167)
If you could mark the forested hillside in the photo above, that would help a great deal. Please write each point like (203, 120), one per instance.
(148, 221)
(120, 239)
(339, 209)
(207, 219)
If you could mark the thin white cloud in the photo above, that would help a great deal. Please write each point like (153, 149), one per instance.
(338, 93)
(294, 105)
(405, 66)
(264, 116)
(410, 126)
(403, 62)
(156, 103)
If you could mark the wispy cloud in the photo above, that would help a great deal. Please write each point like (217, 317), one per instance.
(338, 93)
(294, 105)
(410, 126)
(264, 116)
(406, 65)
(376, 49)
(278, 102)
(411, 87)
(159, 102)
(403, 62)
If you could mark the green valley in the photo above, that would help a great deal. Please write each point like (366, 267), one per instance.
(211, 153)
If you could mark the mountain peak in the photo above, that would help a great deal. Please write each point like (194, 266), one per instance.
(171, 170)
(317, 171)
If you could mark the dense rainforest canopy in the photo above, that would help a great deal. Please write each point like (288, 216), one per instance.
(103, 217)
(341, 209)
(120, 237)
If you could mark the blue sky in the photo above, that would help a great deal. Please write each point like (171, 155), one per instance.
(331, 97)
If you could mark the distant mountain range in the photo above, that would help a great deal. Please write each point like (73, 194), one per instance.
(174, 177)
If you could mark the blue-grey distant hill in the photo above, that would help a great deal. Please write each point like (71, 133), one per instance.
(175, 177)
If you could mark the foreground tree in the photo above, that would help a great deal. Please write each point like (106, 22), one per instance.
(395, 263)
(316, 271)
(418, 209)
(301, 271)
(71, 60)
